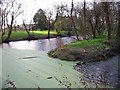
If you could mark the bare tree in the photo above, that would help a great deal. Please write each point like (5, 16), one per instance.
(27, 29)
(106, 8)
(84, 18)
(49, 14)
(118, 31)
(14, 12)
(0, 22)
(73, 23)
(94, 19)
(3, 17)
(60, 13)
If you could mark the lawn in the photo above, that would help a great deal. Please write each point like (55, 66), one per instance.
(18, 35)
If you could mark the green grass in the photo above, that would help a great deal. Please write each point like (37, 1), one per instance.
(91, 43)
(42, 33)
(45, 32)
(16, 35)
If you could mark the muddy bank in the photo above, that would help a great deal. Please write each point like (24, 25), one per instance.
(102, 72)
(98, 66)
(81, 54)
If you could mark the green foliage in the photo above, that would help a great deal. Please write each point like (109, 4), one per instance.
(40, 20)
(58, 25)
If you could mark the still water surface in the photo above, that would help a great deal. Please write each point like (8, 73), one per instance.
(41, 44)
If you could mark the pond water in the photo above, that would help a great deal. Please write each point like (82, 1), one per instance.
(28, 62)
(41, 44)
(33, 69)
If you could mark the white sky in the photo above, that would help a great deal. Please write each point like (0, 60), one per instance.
(30, 7)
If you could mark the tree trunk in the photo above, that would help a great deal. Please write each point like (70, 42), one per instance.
(84, 19)
(118, 31)
(92, 28)
(100, 27)
(28, 32)
(73, 23)
(10, 29)
(108, 29)
(49, 30)
(107, 18)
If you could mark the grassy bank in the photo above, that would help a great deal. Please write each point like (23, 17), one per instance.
(97, 43)
(86, 50)
(21, 35)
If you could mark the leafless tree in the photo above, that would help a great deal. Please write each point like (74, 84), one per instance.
(84, 18)
(73, 23)
(106, 8)
(3, 16)
(118, 29)
(94, 19)
(60, 13)
(14, 11)
(27, 29)
(49, 14)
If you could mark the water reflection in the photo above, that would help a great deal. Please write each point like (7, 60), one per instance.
(41, 44)
(59, 42)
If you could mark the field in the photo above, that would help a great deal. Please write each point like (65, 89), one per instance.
(21, 35)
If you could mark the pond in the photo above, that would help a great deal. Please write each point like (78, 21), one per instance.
(33, 69)
(25, 64)
(41, 44)
(28, 62)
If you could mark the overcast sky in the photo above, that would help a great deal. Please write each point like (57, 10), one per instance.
(30, 7)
